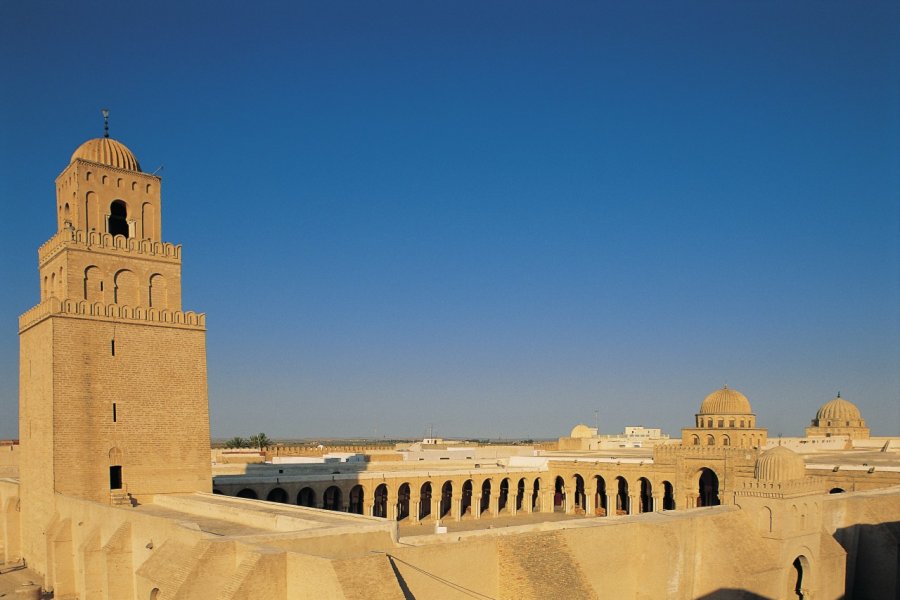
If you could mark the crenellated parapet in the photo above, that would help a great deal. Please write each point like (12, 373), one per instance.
(671, 450)
(96, 240)
(111, 312)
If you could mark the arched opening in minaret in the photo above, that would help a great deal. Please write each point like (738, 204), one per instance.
(118, 218)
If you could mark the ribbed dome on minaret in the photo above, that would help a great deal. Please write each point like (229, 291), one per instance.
(107, 151)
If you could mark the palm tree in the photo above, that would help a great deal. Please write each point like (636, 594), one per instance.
(260, 440)
(236, 442)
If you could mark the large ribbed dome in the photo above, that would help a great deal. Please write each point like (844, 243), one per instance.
(583, 431)
(107, 151)
(726, 402)
(838, 410)
(780, 464)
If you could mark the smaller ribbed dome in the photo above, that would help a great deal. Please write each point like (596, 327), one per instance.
(726, 402)
(583, 431)
(107, 151)
(838, 410)
(780, 464)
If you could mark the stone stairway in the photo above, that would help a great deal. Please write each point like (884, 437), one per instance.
(121, 498)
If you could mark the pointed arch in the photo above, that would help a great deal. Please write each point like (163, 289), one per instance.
(125, 291)
(158, 292)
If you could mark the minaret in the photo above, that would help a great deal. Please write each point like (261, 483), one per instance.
(113, 396)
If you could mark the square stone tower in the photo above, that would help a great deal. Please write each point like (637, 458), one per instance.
(112, 378)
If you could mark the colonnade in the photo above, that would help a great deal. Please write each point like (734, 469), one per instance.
(490, 495)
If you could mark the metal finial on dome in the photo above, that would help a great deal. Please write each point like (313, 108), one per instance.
(105, 113)
(839, 393)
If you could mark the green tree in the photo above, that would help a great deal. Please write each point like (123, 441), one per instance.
(260, 440)
(236, 442)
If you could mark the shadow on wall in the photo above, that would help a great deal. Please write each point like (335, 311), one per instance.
(873, 560)
(732, 594)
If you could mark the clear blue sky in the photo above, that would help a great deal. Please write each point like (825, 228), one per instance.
(496, 217)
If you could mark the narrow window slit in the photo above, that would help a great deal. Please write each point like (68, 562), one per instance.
(112, 346)
(114, 412)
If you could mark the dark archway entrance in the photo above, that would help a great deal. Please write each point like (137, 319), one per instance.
(403, 495)
(446, 499)
(247, 493)
(425, 500)
(332, 499)
(357, 498)
(306, 497)
(485, 503)
(520, 494)
(536, 496)
(622, 503)
(379, 509)
(559, 495)
(646, 495)
(466, 502)
(277, 495)
(600, 499)
(798, 580)
(668, 496)
(504, 496)
(579, 494)
(709, 488)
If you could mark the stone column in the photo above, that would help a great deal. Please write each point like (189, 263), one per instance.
(456, 508)
(415, 503)
(569, 501)
(634, 505)
(610, 506)
(475, 506)
(369, 508)
(547, 501)
(392, 511)
(589, 505)
(435, 508)
(494, 504)
(657, 502)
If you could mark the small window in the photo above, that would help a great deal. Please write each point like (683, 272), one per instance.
(112, 347)
(114, 412)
